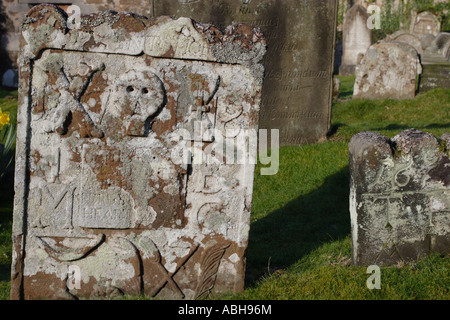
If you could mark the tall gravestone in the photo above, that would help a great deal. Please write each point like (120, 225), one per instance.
(356, 38)
(297, 92)
(399, 197)
(122, 185)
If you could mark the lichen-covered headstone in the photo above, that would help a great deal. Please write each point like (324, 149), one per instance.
(356, 38)
(388, 70)
(399, 197)
(116, 191)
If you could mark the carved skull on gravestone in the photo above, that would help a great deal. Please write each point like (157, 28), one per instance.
(136, 97)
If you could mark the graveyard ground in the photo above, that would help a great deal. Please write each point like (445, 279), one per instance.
(300, 244)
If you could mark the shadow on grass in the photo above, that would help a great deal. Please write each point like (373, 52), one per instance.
(288, 234)
(391, 127)
(345, 95)
(334, 129)
(403, 127)
(5, 272)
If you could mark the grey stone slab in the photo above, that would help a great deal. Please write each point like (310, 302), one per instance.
(297, 92)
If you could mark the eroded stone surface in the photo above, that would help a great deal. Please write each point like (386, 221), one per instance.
(113, 193)
(399, 197)
(387, 70)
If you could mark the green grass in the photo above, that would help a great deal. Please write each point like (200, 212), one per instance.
(428, 112)
(8, 103)
(300, 244)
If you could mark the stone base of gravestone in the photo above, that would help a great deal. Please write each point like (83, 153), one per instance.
(347, 70)
(336, 87)
(399, 197)
(388, 70)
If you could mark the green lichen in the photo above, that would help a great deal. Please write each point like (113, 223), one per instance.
(444, 148)
(397, 152)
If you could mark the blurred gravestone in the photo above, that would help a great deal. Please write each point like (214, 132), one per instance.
(297, 92)
(425, 23)
(9, 79)
(436, 63)
(357, 37)
(115, 190)
(407, 37)
(399, 197)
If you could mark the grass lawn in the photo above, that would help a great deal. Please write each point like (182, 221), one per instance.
(300, 244)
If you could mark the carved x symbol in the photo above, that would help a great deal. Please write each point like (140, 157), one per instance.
(167, 276)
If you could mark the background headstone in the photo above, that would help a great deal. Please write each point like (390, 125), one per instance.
(297, 92)
(440, 47)
(388, 70)
(10, 79)
(356, 38)
(117, 188)
(407, 37)
(399, 197)
(424, 23)
(436, 64)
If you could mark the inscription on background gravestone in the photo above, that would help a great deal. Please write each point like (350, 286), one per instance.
(297, 92)
(424, 23)
(399, 197)
(111, 177)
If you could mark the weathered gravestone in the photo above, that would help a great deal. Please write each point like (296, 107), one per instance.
(407, 37)
(297, 92)
(439, 47)
(387, 70)
(356, 38)
(399, 196)
(424, 23)
(115, 190)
